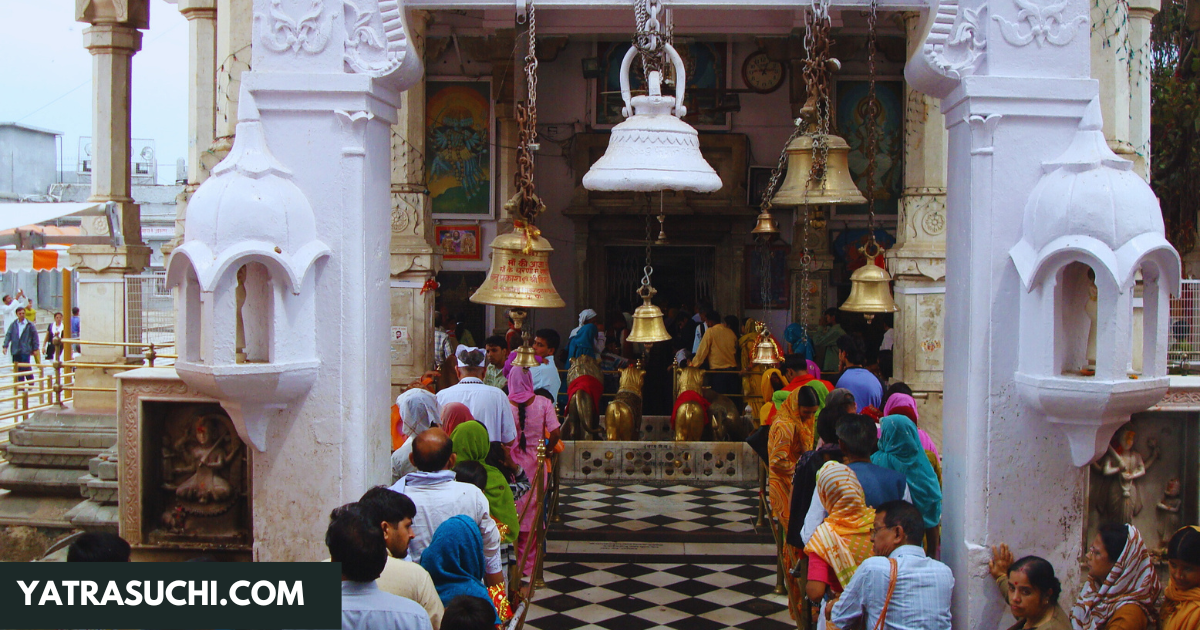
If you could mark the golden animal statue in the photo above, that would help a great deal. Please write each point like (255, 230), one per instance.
(582, 416)
(691, 418)
(728, 425)
(623, 416)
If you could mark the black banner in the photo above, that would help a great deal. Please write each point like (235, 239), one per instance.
(177, 595)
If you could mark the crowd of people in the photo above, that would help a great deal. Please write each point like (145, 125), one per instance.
(22, 342)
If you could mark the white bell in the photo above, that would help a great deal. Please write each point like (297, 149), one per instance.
(653, 149)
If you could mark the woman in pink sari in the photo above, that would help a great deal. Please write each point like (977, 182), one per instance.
(536, 420)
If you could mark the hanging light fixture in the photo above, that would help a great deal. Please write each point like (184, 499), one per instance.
(652, 149)
(520, 269)
(870, 290)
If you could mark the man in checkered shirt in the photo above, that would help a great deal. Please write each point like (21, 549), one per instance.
(441, 341)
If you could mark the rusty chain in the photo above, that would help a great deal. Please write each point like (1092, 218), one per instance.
(872, 148)
(652, 35)
(528, 206)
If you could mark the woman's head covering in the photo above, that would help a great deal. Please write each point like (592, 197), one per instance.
(418, 410)
(454, 559)
(765, 389)
(900, 450)
(471, 444)
(813, 368)
(843, 540)
(821, 390)
(1181, 610)
(790, 412)
(898, 400)
(795, 336)
(520, 385)
(1132, 580)
(584, 315)
(454, 414)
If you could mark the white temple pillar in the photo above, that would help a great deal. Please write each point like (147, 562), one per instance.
(202, 66)
(414, 259)
(918, 261)
(1141, 12)
(234, 50)
(312, 160)
(112, 39)
(1005, 118)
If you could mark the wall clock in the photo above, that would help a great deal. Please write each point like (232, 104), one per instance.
(761, 73)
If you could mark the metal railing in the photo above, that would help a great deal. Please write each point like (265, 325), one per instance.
(149, 312)
(1183, 347)
(38, 385)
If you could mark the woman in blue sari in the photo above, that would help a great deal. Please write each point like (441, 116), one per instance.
(454, 559)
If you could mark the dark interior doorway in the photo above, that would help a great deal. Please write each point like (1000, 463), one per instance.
(453, 298)
(681, 275)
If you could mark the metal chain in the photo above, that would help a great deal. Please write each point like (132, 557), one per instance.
(817, 82)
(529, 205)
(651, 35)
(648, 270)
(872, 148)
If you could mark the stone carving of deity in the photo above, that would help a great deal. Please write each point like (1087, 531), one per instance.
(1118, 496)
(205, 453)
(1167, 511)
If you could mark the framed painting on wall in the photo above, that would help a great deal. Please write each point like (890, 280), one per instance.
(777, 279)
(706, 65)
(458, 148)
(459, 242)
(851, 106)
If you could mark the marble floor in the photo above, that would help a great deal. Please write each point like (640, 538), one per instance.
(647, 558)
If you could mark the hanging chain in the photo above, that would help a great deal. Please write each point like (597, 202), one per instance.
(529, 206)
(872, 148)
(648, 270)
(651, 35)
(816, 113)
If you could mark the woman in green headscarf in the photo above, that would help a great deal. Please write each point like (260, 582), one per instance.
(471, 445)
(822, 391)
(900, 450)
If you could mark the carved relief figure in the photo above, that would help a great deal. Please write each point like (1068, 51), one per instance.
(623, 416)
(1117, 494)
(1167, 512)
(205, 453)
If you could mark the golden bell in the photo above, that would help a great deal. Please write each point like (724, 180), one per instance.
(648, 326)
(837, 188)
(766, 352)
(765, 224)
(869, 291)
(525, 357)
(518, 278)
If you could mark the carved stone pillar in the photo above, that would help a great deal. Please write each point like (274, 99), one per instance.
(112, 40)
(414, 259)
(1140, 14)
(235, 19)
(1112, 44)
(918, 262)
(202, 49)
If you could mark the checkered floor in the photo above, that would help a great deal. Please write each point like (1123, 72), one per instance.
(653, 596)
(645, 558)
(643, 513)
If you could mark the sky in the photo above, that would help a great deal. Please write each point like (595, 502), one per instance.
(46, 77)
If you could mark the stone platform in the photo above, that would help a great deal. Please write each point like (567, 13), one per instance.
(658, 458)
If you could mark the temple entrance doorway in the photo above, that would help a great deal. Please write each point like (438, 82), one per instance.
(682, 275)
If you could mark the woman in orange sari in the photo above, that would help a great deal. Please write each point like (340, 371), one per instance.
(843, 540)
(1181, 610)
(787, 441)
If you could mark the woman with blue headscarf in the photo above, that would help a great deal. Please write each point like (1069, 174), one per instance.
(900, 450)
(585, 339)
(454, 559)
(798, 340)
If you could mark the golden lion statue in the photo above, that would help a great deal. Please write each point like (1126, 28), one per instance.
(691, 419)
(582, 416)
(623, 416)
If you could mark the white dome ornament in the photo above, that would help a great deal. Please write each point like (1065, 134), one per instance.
(653, 149)
(1091, 215)
(246, 277)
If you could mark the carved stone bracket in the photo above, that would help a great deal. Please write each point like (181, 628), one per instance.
(953, 49)
(1046, 24)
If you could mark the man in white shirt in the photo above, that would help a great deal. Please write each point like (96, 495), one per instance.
(357, 543)
(920, 599)
(488, 404)
(545, 375)
(438, 497)
(9, 309)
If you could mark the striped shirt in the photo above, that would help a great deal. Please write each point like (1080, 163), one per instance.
(921, 600)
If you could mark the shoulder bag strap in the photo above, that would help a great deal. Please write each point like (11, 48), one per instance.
(891, 589)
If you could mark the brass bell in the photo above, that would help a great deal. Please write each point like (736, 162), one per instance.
(836, 188)
(766, 352)
(869, 291)
(520, 273)
(525, 358)
(765, 224)
(648, 326)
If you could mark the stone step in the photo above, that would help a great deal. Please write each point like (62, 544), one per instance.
(98, 490)
(49, 456)
(93, 516)
(51, 481)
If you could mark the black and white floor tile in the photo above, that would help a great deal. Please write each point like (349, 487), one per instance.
(688, 595)
(591, 510)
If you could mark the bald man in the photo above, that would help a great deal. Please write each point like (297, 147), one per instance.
(439, 497)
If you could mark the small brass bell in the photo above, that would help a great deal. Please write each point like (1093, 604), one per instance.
(648, 326)
(869, 291)
(525, 358)
(766, 352)
(517, 277)
(836, 188)
(653, 149)
(765, 224)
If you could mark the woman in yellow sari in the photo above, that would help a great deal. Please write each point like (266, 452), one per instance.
(1181, 610)
(770, 382)
(751, 373)
(843, 540)
(787, 441)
